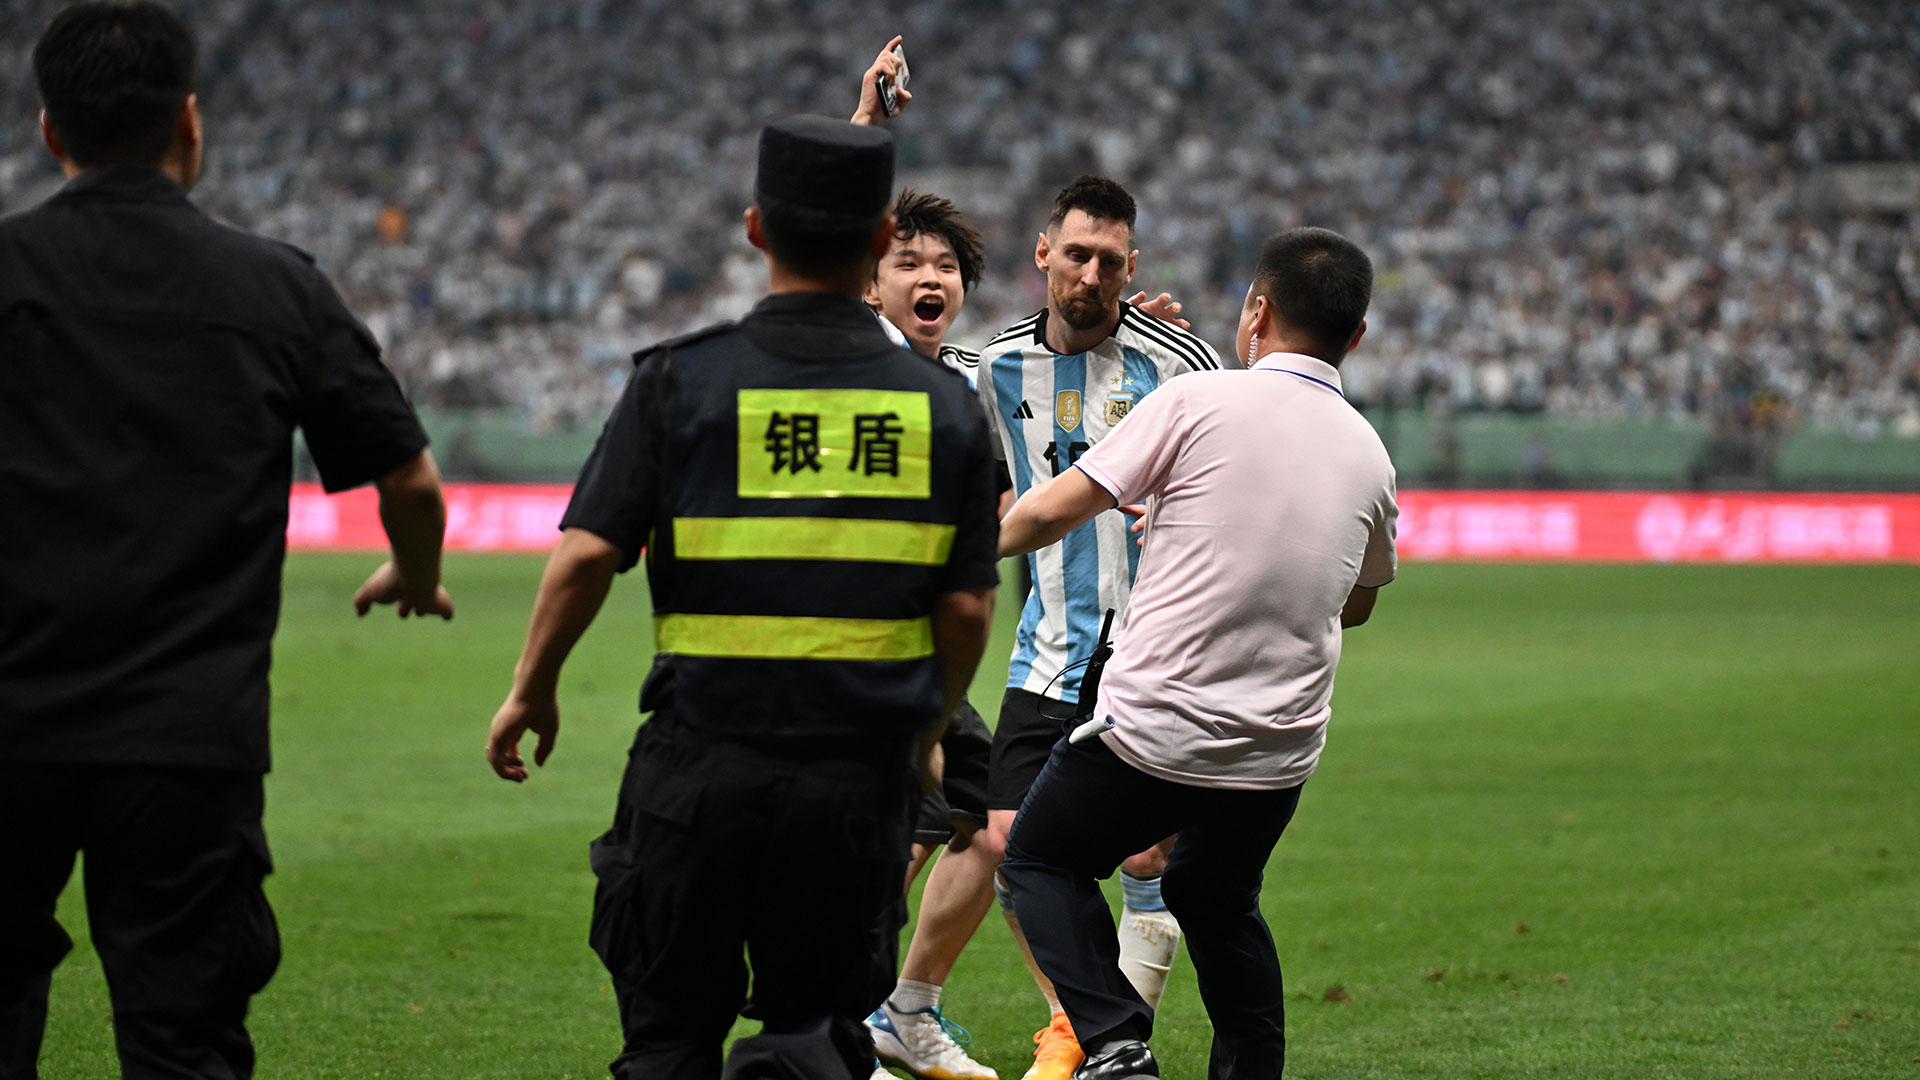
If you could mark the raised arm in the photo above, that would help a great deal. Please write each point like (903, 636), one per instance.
(885, 65)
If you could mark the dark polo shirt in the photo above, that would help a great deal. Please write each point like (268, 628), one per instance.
(153, 367)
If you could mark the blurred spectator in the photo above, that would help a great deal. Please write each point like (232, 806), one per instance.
(1594, 208)
(1536, 462)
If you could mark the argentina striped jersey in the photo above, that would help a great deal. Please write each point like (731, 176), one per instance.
(964, 361)
(1046, 410)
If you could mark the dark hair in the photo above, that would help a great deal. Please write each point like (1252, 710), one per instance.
(112, 76)
(809, 242)
(915, 213)
(1097, 197)
(1319, 284)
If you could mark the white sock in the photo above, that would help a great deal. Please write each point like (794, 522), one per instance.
(1149, 938)
(1053, 1002)
(910, 996)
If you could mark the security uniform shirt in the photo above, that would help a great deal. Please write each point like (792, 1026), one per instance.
(153, 366)
(805, 490)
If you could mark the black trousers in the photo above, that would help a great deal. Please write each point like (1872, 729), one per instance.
(174, 862)
(789, 852)
(1087, 811)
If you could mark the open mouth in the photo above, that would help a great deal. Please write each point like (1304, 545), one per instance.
(928, 309)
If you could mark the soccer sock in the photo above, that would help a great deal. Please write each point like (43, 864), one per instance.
(1149, 937)
(1141, 894)
(910, 996)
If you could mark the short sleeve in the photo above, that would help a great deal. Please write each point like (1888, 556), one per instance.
(1137, 456)
(620, 486)
(357, 422)
(974, 561)
(1380, 563)
(983, 387)
(1193, 355)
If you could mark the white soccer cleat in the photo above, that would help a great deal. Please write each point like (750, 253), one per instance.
(925, 1044)
(1148, 942)
(880, 1072)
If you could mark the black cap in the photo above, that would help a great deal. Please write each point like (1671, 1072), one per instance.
(830, 172)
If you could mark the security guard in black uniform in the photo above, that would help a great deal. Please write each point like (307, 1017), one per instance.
(154, 364)
(816, 506)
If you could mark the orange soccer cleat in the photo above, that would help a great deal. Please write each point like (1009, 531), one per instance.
(1057, 1052)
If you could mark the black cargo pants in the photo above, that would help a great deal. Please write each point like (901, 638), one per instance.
(789, 851)
(174, 862)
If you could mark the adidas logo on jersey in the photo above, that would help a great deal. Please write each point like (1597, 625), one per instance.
(1024, 412)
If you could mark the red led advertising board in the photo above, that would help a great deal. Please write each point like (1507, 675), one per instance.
(1434, 525)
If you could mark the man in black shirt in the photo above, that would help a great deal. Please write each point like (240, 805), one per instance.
(153, 367)
(816, 505)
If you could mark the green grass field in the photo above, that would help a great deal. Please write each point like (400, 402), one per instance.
(1571, 822)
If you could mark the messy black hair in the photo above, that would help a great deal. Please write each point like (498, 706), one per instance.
(915, 213)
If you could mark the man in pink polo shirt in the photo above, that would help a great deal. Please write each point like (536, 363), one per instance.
(1270, 529)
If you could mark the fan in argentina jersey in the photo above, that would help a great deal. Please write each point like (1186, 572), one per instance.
(964, 361)
(1047, 408)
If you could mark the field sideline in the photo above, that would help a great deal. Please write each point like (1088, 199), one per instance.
(1573, 821)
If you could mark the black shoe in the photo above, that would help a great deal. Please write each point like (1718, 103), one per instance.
(1127, 1059)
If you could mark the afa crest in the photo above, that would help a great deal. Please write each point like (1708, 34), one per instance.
(1118, 405)
(1066, 409)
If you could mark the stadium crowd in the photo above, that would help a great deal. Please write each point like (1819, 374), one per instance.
(1598, 208)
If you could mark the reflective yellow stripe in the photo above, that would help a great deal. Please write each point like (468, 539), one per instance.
(850, 539)
(779, 637)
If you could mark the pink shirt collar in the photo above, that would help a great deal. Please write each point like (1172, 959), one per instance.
(1310, 368)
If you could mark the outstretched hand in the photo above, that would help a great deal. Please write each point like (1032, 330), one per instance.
(516, 717)
(1163, 307)
(887, 64)
(385, 587)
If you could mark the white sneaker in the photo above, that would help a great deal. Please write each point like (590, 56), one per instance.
(1148, 942)
(925, 1044)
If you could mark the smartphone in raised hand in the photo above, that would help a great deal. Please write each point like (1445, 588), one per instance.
(889, 88)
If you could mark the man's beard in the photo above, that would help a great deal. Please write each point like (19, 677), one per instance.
(1082, 312)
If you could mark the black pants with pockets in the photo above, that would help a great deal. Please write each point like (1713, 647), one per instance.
(174, 863)
(1087, 811)
(789, 851)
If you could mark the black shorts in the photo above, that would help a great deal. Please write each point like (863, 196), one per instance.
(962, 794)
(1022, 741)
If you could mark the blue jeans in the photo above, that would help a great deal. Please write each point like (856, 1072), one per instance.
(1088, 811)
